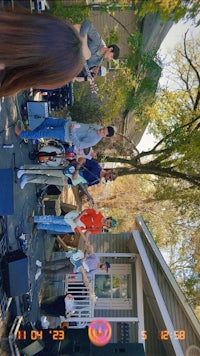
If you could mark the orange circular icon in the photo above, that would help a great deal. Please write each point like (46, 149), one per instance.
(99, 332)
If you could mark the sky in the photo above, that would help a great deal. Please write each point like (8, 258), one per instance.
(176, 34)
(174, 37)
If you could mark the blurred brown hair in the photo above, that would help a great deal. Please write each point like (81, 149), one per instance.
(38, 51)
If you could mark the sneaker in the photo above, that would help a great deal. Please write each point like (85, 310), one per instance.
(38, 263)
(38, 273)
(20, 172)
(44, 322)
(24, 181)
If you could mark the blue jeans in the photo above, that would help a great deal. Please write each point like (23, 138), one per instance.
(52, 223)
(49, 128)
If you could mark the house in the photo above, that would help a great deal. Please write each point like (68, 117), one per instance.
(140, 297)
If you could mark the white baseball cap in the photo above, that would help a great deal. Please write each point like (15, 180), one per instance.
(102, 71)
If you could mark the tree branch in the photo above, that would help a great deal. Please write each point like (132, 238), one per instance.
(195, 70)
(158, 171)
(121, 24)
(171, 134)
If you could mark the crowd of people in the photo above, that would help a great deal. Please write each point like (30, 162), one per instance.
(46, 52)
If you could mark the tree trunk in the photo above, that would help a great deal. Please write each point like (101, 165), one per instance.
(158, 171)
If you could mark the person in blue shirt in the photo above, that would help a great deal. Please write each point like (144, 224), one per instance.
(92, 172)
(86, 171)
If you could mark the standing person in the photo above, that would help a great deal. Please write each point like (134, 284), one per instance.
(91, 174)
(65, 130)
(61, 305)
(91, 171)
(39, 51)
(99, 50)
(64, 266)
(89, 221)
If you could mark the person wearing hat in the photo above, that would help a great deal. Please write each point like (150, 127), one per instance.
(102, 71)
(86, 171)
(65, 130)
(91, 264)
(99, 50)
(89, 221)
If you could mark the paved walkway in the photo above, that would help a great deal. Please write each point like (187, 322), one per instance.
(40, 246)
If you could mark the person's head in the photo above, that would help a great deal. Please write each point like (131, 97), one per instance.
(110, 222)
(109, 175)
(38, 51)
(105, 266)
(106, 131)
(111, 52)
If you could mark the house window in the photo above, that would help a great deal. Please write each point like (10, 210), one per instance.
(112, 286)
(114, 290)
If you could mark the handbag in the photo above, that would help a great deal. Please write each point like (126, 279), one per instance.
(76, 258)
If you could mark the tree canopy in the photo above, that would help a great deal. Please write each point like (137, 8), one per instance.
(173, 9)
(174, 119)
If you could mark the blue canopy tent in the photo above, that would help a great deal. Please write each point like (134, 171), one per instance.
(6, 192)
